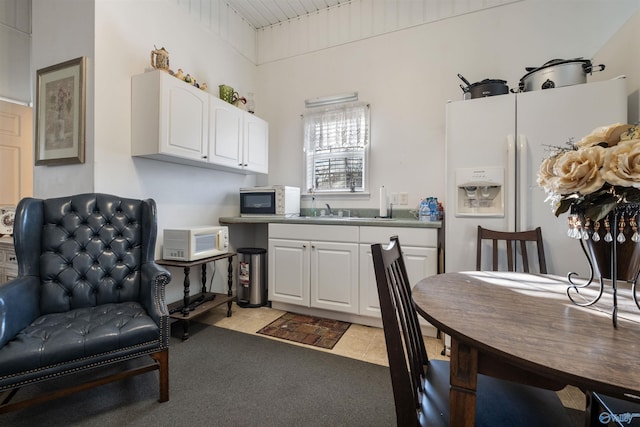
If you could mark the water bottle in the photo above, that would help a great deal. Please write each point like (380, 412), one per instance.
(424, 213)
(433, 209)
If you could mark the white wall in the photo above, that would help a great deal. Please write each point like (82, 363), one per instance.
(62, 30)
(619, 57)
(117, 38)
(354, 20)
(15, 50)
(409, 75)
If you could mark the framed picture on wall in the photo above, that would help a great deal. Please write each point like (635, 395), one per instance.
(60, 113)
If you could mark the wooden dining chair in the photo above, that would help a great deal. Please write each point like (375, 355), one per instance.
(421, 386)
(514, 245)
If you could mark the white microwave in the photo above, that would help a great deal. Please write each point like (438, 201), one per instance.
(194, 243)
(275, 200)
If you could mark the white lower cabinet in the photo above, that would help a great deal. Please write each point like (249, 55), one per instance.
(330, 267)
(419, 249)
(312, 272)
(8, 261)
(420, 263)
(289, 275)
(334, 276)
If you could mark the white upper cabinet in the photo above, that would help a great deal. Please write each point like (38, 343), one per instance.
(255, 146)
(168, 117)
(176, 122)
(183, 129)
(237, 139)
(225, 133)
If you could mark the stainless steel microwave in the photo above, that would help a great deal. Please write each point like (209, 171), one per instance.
(274, 200)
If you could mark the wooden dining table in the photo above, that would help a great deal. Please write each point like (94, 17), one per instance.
(524, 328)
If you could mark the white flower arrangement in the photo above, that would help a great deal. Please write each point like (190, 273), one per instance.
(595, 175)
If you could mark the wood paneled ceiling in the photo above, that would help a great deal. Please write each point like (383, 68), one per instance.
(263, 13)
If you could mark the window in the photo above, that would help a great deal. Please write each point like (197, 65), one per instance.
(336, 142)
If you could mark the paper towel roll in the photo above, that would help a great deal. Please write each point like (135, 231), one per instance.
(383, 201)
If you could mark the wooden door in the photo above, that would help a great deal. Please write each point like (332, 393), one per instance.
(16, 153)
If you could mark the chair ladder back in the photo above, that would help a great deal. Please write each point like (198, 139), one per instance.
(525, 257)
(403, 336)
(514, 241)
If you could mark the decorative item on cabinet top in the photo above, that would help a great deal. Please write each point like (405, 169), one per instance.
(6, 221)
(229, 94)
(160, 61)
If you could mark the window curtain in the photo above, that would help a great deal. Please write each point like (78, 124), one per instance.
(335, 142)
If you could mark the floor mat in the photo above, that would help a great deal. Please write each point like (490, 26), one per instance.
(310, 330)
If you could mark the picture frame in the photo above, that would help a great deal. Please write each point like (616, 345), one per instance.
(60, 113)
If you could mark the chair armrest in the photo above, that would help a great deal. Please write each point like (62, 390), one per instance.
(19, 306)
(154, 280)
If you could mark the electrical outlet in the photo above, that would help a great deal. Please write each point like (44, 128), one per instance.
(403, 198)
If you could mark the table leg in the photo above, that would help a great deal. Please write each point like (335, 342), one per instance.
(185, 302)
(204, 277)
(464, 381)
(229, 284)
(185, 299)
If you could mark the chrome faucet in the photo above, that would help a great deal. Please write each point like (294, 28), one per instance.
(328, 209)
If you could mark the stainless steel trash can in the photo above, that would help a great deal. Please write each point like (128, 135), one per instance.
(251, 287)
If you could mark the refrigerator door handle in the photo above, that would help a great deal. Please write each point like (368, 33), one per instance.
(511, 183)
(522, 178)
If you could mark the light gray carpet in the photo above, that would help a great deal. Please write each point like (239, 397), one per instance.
(221, 377)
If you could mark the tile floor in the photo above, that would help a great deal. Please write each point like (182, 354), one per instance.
(359, 342)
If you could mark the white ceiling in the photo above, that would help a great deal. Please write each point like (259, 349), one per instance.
(263, 13)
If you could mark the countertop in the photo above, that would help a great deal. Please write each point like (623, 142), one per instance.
(332, 220)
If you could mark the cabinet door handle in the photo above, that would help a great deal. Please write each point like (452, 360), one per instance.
(304, 246)
(204, 157)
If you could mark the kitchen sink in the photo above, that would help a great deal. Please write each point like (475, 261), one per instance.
(344, 218)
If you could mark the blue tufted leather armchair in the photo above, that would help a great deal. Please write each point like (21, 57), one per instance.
(88, 294)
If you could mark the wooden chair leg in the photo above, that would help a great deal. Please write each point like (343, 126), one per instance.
(162, 358)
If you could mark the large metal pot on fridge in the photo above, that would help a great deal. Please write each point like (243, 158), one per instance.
(557, 73)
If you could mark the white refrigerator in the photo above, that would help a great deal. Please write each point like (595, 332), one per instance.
(498, 143)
